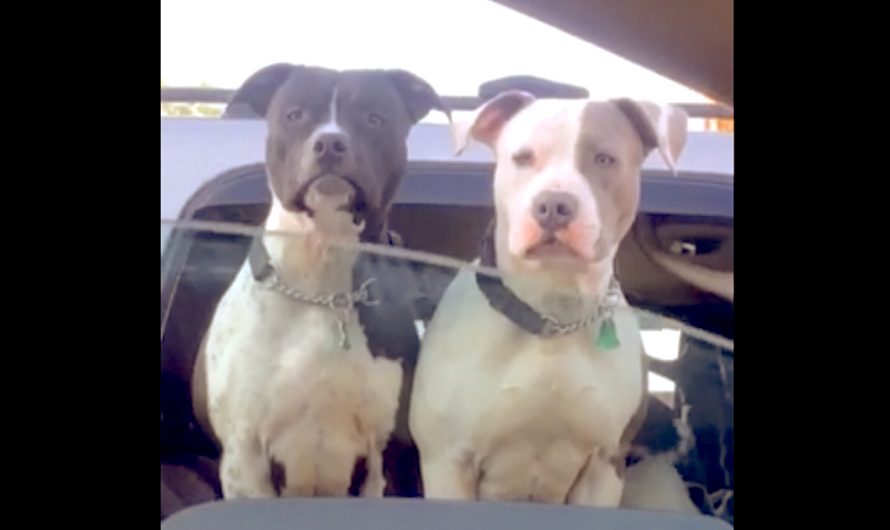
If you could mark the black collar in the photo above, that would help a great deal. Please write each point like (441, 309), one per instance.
(505, 301)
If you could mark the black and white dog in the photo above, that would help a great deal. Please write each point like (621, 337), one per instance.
(301, 378)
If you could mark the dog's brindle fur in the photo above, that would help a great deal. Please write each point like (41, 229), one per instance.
(376, 109)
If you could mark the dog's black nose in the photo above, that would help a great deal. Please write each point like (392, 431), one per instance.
(554, 210)
(330, 145)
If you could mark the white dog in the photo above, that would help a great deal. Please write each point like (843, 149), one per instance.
(531, 388)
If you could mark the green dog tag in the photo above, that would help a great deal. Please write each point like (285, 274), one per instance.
(607, 338)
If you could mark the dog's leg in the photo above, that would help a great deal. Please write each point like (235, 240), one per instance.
(375, 483)
(600, 483)
(244, 473)
(447, 478)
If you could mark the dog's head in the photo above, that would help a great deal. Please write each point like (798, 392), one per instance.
(336, 141)
(567, 181)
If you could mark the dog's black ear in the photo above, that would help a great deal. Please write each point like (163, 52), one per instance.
(254, 96)
(418, 95)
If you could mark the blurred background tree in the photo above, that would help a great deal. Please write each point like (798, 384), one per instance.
(191, 110)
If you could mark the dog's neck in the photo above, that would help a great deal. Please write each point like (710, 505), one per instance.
(567, 295)
(311, 255)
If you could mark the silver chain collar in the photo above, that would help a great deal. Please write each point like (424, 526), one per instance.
(605, 310)
(340, 304)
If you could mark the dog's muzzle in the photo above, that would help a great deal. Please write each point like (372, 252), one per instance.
(339, 193)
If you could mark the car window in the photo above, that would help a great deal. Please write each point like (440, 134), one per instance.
(690, 369)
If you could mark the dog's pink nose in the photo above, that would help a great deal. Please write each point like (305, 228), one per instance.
(554, 210)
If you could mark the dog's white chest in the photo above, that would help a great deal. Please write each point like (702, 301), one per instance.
(530, 411)
(256, 333)
(280, 378)
(563, 388)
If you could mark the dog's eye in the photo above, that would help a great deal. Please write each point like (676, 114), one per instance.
(604, 160)
(295, 115)
(524, 157)
(375, 119)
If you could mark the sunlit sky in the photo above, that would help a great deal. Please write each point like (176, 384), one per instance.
(453, 44)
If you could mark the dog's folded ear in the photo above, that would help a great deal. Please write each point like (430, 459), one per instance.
(255, 94)
(485, 123)
(661, 127)
(418, 95)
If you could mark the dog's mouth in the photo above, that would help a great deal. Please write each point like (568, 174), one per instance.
(332, 194)
(552, 247)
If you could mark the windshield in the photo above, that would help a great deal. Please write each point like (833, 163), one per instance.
(688, 432)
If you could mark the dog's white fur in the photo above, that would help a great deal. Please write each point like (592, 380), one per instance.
(654, 484)
(498, 413)
(501, 415)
